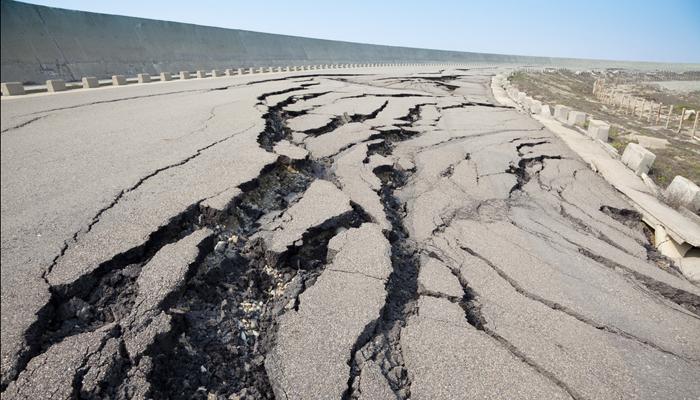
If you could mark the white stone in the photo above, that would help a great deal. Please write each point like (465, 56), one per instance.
(55, 85)
(685, 192)
(12, 88)
(118, 80)
(90, 82)
(535, 106)
(598, 130)
(576, 118)
(637, 158)
(144, 78)
(546, 112)
(561, 113)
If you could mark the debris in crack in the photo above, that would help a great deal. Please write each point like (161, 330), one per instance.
(222, 319)
(381, 345)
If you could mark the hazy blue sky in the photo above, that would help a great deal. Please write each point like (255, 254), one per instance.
(643, 30)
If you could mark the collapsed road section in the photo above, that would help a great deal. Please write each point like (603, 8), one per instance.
(327, 236)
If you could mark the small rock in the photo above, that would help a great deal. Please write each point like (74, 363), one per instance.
(72, 307)
(220, 246)
(85, 313)
(203, 369)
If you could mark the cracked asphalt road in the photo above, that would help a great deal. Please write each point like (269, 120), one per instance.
(389, 234)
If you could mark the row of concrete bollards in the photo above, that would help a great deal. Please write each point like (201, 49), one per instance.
(59, 85)
(636, 157)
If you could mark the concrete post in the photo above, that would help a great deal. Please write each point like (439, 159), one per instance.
(251, 70)
(261, 70)
(658, 114)
(270, 69)
(286, 69)
(668, 117)
(229, 72)
(184, 75)
(680, 123)
(12, 88)
(201, 74)
(695, 124)
(215, 73)
(90, 82)
(165, 76)
(651, 110)
(239, 71)
(641, 110)
(55, 85)
(143, 78)
(118, 80)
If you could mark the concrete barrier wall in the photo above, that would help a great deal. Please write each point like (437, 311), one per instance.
(40, 43)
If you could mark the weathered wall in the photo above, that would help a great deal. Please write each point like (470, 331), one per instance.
(40, 43)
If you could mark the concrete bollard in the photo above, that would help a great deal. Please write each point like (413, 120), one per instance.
(598, 130)
(270, 69)
(576, 118)
(201, 74)
(165, 76)
(90, 82)
(144, 78)
(684, 192)
(230, 72)
(251, 70)
(118, 80)
(184, 75)
(561, 113)
(637, 158)
(12, 88)
(261, 70)
(546, 112)
(239, 71)
(215, 73)
(55, 85)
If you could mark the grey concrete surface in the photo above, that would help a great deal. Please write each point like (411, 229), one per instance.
(429, 243)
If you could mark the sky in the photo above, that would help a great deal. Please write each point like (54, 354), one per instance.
(642, 30)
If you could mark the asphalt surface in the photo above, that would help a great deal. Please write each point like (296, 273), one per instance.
(374, 234)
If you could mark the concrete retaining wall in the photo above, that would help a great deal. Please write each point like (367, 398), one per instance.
(40, 43)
